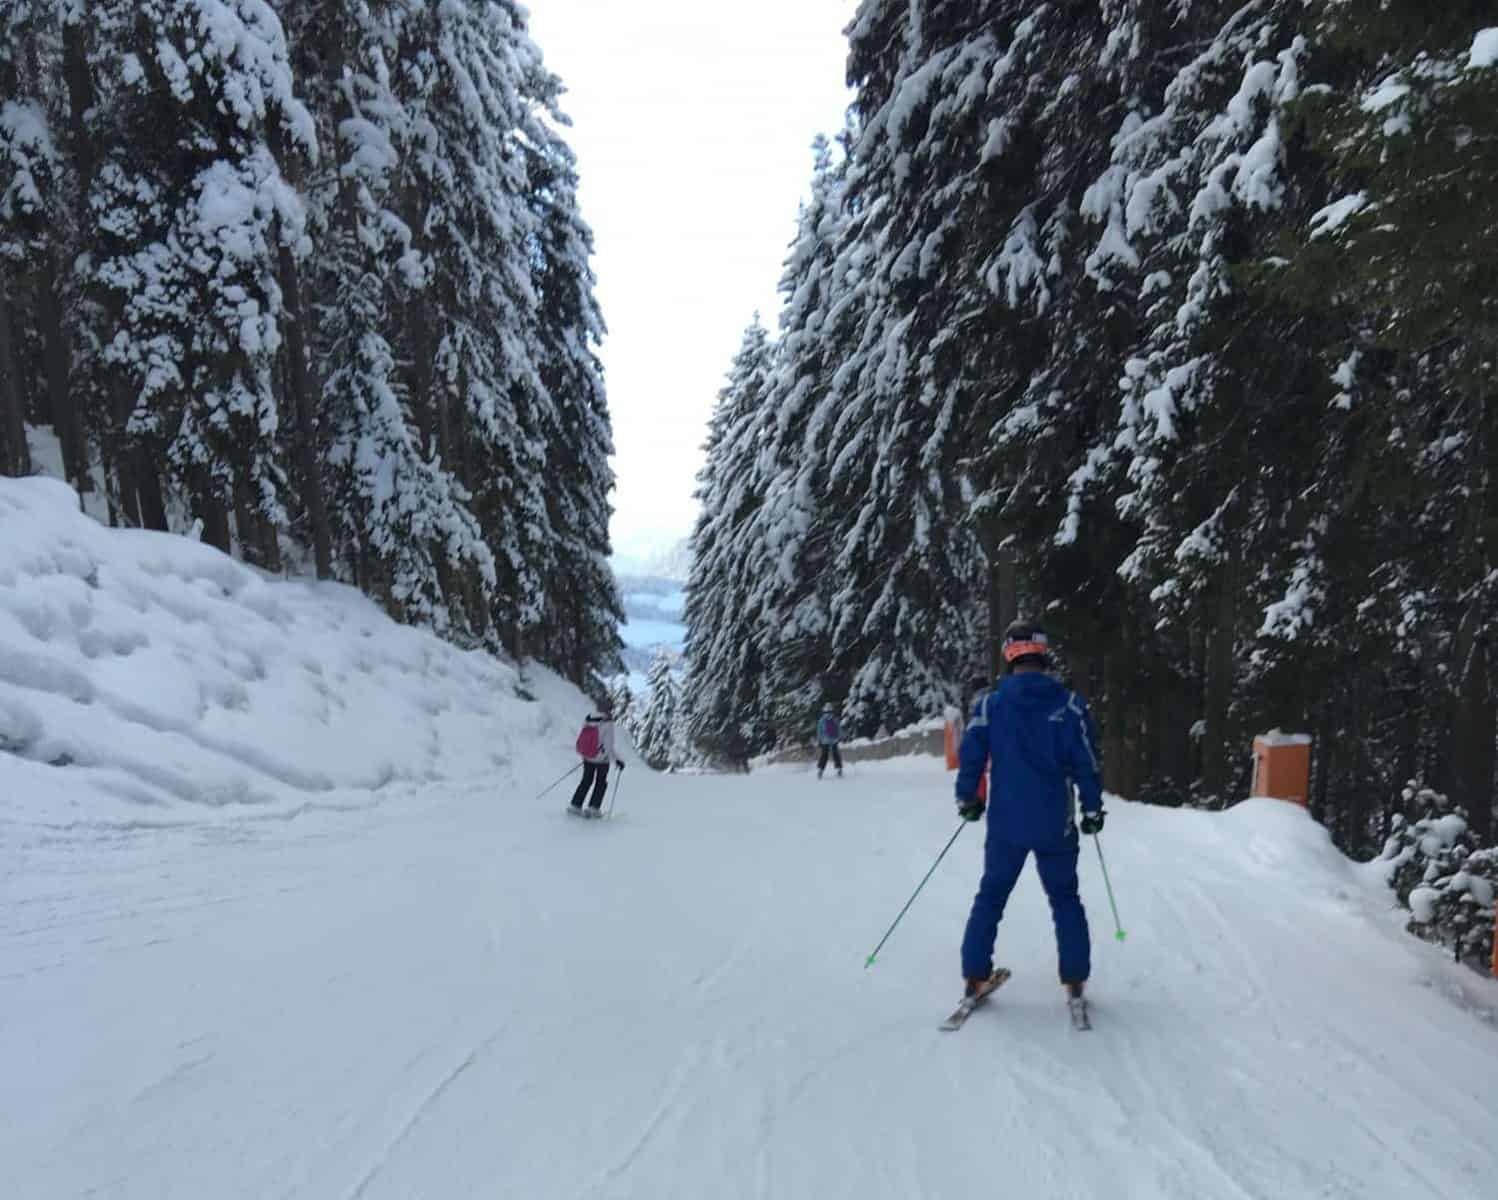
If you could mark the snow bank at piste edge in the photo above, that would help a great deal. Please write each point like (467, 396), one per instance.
(149, 679)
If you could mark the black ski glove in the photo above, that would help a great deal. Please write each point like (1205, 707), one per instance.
(1092, 822)
(970, 809)
(619, 762)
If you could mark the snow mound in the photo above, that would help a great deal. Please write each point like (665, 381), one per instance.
(1484, 49)
(146, 679)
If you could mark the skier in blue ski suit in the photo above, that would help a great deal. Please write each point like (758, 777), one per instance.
(1038, 740)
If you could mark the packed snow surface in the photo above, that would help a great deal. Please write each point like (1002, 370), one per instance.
(1276, 737)
(281, 913)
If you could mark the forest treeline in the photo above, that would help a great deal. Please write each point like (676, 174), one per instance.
(1170, 326)
(309, 281)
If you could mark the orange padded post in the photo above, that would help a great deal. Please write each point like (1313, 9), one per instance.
(952, 741)
(1282, 766)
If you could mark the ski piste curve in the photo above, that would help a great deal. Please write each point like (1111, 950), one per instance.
(456, 994)
(281, 914)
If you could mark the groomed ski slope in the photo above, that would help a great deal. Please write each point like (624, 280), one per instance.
(376, 966)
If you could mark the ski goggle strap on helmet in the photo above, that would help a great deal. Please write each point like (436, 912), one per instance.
(1021, 646)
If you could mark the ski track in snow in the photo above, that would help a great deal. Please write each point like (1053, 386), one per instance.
(283, 914)
(467, 993)
(664, 1109)
(423, 1108)
(470, 994)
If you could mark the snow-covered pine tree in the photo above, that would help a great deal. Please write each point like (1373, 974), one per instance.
(321, 36)
(399, 521)
(686, 756)
(43, 96)
(795, 526)
(470, 334)
(1044, 323)
(102, 397)
(1196, 184)
(909, 567)
(622, 703)
(1406, 502)
(1075, 275)
(579, 632)
(192, 208)
(401, 517)
(724, 644)
(655, 732)
(28, 167)
(353, 354)
(1440, 871)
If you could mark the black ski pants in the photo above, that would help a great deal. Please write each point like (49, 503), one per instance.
(596, 776)
(837, 758)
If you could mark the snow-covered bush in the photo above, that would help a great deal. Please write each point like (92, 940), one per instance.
(1442, 876)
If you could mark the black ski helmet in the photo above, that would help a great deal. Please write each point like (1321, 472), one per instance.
(1025, 642)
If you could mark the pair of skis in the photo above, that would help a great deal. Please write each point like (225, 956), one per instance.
(595, 814)
(1076, 1005)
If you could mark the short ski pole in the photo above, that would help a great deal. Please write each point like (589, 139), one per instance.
(1118, 930)
(869, 962)
(615, 796)
(564, 776)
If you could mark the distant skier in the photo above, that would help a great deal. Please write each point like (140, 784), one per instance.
(595, 746)
(1039, 740)
(975, 689)
(829, 733)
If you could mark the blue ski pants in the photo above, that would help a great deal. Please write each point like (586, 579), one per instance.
(1057, 865)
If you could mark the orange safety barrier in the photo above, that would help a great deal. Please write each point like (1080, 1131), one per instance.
(1282, 766)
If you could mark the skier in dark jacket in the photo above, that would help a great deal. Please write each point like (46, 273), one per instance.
(976, 689)
(1038, 740)
(829, 733)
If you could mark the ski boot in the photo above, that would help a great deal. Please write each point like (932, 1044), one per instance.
(1076, 1007)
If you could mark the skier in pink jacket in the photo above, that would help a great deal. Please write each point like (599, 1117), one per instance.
(595, 745)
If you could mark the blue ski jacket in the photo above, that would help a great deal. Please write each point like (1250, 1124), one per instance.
(1038, 739)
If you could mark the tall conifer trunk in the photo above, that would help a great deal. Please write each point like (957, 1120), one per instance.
(1476, 720)
(145, 474)
(1170, 724)
(58, 357)
(1120, 749)
(17, 460)
(80, 86)
(299, 381)
(1216, 754)
(1475, 727)
(210, 508)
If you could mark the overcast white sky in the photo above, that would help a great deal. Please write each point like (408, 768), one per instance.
(692, 122)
